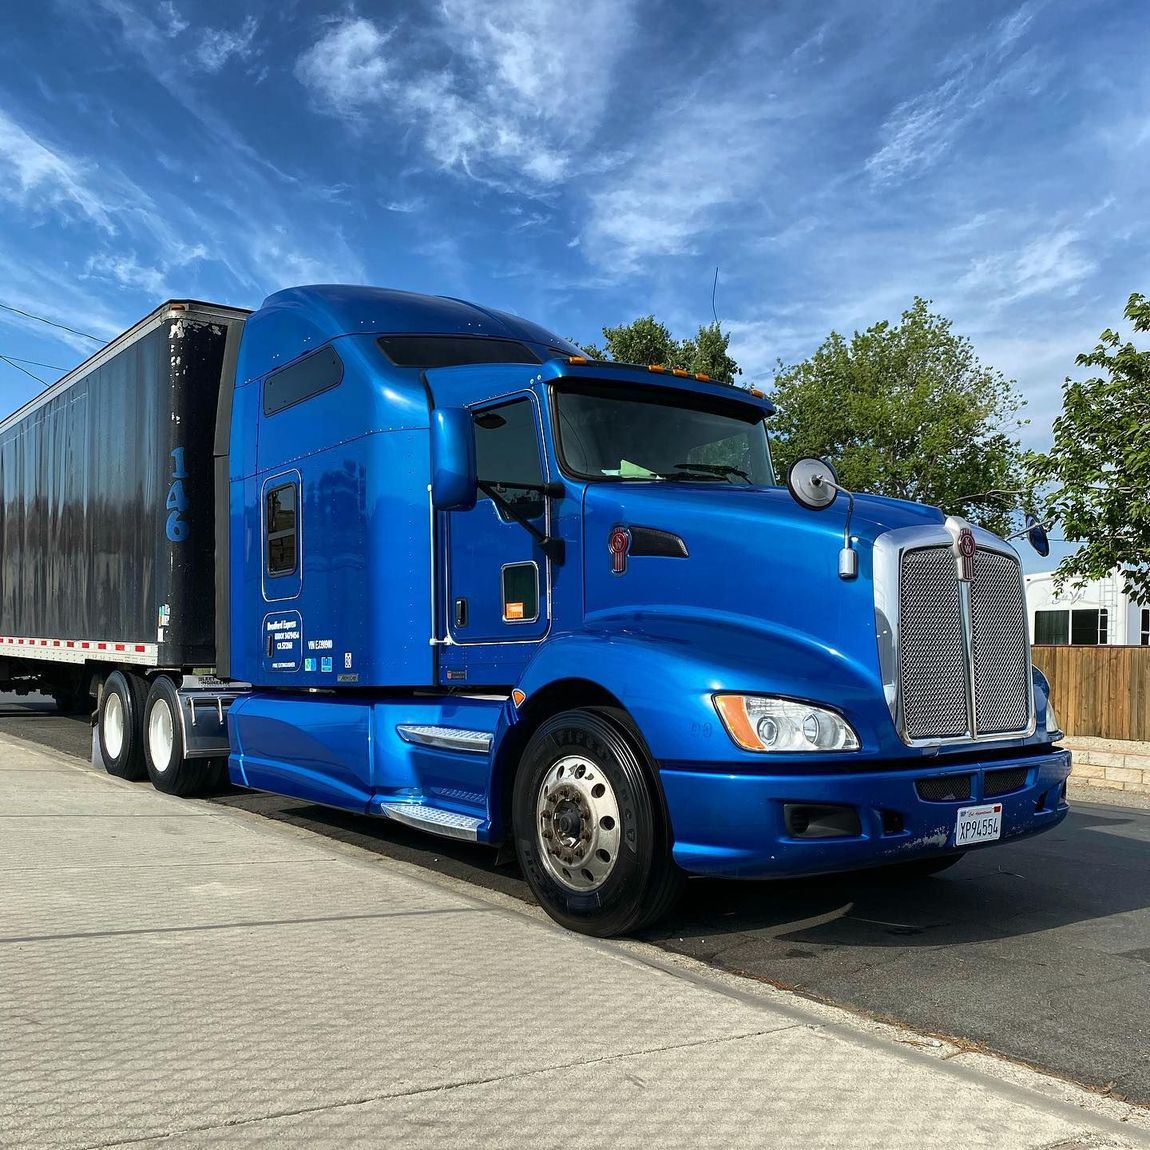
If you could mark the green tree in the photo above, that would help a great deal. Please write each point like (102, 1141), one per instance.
(906, 410)
(646, 340)
(1096, 476)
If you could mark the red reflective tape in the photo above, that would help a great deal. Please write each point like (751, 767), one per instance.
(101, 646)
(120, 647)
(71, 643)
(55, 642)
(140, 648)
(85, 645)
(43, 642)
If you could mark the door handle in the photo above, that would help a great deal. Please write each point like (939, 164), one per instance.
(461, 612)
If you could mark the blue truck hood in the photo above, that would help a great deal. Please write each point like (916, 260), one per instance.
(757, 565)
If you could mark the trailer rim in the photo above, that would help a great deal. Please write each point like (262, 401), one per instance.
(161, 735)
(113, 724)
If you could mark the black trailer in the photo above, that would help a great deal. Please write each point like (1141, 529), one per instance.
(107, 518)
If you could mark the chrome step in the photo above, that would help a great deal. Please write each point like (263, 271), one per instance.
(445, 738)
(448, 824)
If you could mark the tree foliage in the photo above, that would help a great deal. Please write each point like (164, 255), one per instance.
(646, 340)
(1097, 472)
(906, 410)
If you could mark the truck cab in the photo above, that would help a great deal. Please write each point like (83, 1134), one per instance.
(483, 586)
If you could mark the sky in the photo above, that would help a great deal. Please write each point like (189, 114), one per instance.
(583, 164)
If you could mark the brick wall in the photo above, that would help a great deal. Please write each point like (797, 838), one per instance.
(1111, 764)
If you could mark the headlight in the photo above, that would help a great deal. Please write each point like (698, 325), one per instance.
(1052, 727)
(760, 723)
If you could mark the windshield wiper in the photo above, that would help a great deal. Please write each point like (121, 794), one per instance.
(719, 470)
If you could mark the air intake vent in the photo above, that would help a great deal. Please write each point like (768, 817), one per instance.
(1003, 782)
(944, 789)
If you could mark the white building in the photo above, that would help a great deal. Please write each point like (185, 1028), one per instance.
(1096, 612)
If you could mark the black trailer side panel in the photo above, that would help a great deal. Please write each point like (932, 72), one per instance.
(106, 501)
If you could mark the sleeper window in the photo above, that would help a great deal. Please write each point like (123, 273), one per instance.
(281, 530)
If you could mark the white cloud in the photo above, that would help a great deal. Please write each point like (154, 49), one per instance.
(924, 128)
(219, 45)
(712, 159)
(34, 175)
(499, 109)
(346, 69)
(170, 21)
(1051, 263)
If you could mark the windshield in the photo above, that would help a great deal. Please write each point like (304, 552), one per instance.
(611, 432)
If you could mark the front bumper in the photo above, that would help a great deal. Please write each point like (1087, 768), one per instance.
(735, 825)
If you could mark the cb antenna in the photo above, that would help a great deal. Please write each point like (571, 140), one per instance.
(714, 289)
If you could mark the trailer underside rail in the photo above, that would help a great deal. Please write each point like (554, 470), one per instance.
(79, 650)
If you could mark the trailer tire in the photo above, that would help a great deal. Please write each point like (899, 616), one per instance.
(169, 771)
(590, 831)
(119, 725)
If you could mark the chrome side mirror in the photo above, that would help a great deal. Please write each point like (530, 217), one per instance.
(812, 483)
(1037, 537)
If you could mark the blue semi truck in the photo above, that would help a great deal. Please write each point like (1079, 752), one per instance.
(414, 558)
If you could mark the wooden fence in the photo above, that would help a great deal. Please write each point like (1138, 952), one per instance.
(1103, 691)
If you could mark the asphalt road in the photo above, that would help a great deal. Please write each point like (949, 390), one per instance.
(1039, 950)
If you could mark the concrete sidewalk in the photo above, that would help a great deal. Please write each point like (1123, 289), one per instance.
(177, 973)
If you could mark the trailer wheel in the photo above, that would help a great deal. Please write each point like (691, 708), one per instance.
(169, 771)
(119, 725)
(590, 831)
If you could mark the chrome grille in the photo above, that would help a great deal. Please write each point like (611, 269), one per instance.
(932, 646)
(1000, 645)
(955, 682)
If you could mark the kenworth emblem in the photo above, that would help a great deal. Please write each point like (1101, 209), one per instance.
(964, 546)
(619, 543)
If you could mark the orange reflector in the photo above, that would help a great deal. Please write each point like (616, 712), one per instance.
(680, 372)
(656, 367)
(702, 377)
(733, 711)
(518, 697)
(576, 359)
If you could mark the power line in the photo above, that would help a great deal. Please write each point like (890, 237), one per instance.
(52, 323)
(35, 363)
(12, 363)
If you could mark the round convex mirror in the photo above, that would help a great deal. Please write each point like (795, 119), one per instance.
(813, 483)
(1037, 536)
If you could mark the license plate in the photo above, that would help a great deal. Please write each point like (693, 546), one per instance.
(978, 824)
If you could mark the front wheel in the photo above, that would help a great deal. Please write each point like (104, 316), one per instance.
(168, 769)
(590, 831)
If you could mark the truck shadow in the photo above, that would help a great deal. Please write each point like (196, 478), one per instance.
(1096, 864)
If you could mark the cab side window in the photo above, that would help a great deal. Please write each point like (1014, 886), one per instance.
(507, 454)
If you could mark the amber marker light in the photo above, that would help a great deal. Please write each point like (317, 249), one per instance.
(518, 697)
(576, 359)
(702, 378)
(733, 711)
(656, 367)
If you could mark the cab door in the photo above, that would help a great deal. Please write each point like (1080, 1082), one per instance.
(497, 576)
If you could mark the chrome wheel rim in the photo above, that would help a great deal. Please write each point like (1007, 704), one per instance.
(160, 736)
(114, 725)
(577, 824)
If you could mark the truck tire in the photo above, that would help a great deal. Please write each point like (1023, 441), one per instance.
(590, 831)
(169, 771)
(119, 725)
